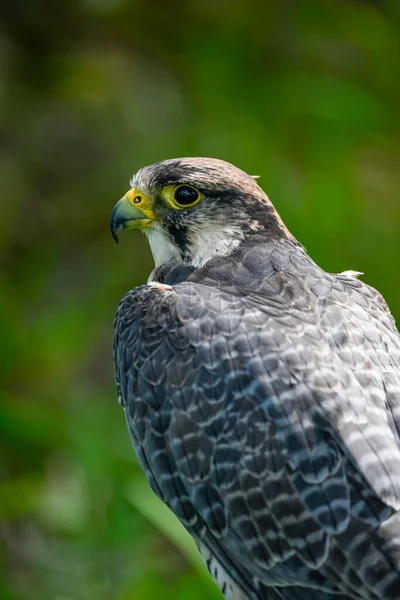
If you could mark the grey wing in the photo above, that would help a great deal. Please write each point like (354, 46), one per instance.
(253, 427)
(364, 343)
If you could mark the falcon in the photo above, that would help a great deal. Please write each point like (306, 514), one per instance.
(262, 394)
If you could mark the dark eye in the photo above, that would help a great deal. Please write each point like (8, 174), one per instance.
(186, 195)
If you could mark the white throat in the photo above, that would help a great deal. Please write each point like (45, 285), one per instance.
(205, 242)
(161, 247)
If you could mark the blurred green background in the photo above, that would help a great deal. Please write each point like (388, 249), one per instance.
(305, 94)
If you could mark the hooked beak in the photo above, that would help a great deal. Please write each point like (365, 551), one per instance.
(127, 216)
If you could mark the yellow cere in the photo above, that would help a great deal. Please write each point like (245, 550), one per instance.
(139, 200)
(135, 196)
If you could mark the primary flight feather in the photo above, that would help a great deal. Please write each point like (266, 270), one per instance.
(262, 394)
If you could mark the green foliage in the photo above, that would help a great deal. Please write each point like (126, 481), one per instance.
(304, 94)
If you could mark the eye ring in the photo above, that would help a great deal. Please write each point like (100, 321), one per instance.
(137, 200)
(186, 195)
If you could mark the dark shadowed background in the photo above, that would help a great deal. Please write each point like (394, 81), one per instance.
(305, 94)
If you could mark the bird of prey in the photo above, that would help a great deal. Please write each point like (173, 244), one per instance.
(262, 394)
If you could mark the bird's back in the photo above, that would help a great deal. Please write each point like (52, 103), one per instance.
(263, 398)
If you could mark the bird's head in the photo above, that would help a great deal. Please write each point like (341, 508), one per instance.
(193, 209)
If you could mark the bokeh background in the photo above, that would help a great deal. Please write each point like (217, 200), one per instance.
(305, 94)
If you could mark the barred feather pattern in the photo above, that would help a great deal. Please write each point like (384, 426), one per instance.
(262, 395)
